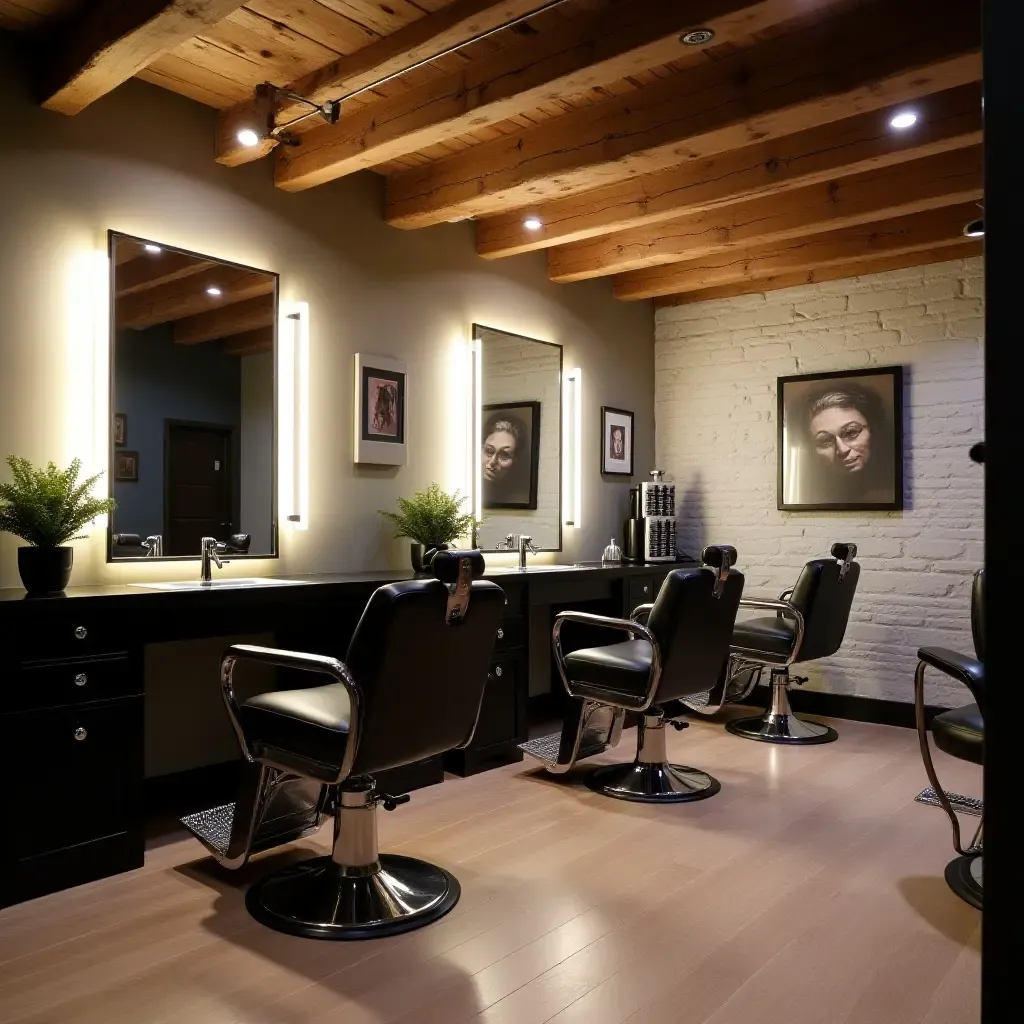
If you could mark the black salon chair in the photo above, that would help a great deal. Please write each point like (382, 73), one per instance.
(960, 733)
(679, 653)
(810, 623)
(410, 687)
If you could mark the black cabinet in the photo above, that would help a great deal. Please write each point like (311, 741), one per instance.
(642, 589)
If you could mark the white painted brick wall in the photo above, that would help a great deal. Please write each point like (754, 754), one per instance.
(716, 365)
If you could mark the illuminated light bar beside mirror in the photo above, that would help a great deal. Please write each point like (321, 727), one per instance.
(293, 418)
(476, 428)
(572, 461)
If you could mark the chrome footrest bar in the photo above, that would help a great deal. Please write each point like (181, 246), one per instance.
(592, 729)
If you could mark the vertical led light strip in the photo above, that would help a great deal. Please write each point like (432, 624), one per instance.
(572, 464)
(293, 415)
(475, 426)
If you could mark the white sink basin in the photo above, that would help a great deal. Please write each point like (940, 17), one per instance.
(239, 584)
(540, 568)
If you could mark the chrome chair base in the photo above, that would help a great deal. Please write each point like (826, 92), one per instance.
(963, 876)
(781, 729)
(653, 783)
(318, 899)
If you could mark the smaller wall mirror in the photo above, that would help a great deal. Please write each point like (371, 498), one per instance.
(192, 402)
(520, 422)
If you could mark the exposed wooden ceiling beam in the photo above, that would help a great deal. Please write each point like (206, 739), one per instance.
(237, 318)
(913, 233)
(420, 39)
(187, 296)
(833, 70)
(250, 343)
(913, 187)
(151, 270)
(111, 40)
(949, 120)
(595, 49)
(870, 265)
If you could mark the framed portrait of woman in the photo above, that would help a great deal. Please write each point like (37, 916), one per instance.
(381, 410)
(840, 442)
(510, 455)
(616, 441)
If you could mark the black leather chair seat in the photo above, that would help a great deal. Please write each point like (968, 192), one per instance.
(314, 721)
(622, 669)
(961, 733)
(771, 635)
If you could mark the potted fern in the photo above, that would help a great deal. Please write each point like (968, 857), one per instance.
(47, 507)
(431, 519)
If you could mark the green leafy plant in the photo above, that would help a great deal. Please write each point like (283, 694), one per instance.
(431, 517)
(48, 507)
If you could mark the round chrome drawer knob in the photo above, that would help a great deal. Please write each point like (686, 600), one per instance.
(501, 634)
(497, 671)
(81, 679)
(81, 632)
(647, 590)
(80, 734)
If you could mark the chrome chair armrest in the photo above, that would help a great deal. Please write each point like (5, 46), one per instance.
(635, 630)
(784, 608)
(641, 613)
(318, 663)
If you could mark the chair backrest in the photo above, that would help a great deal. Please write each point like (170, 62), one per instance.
(978, 614)
(824, 596)
(692, 620)
(421, 671)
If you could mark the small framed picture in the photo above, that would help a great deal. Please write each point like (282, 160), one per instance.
(840, 441)
(616, 441)
(126, 466)
(120, 429)
(510, 454)
(381, 409)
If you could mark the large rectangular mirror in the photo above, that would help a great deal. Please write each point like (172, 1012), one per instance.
(520, 419)
(192, 403)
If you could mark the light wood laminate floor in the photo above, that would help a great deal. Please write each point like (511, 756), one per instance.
(809, 891)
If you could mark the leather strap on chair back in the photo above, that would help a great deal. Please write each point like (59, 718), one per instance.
(978, 614)
(421, 680)
(721, 559)
(692, 620)
(457, 569)
(824, 596)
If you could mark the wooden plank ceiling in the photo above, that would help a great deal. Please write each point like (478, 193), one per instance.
(757, 159)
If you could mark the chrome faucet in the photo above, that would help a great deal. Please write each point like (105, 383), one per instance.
(524, 544)
(209, 552)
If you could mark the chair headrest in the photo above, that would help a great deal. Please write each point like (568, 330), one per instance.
(128, 540)
(457, 569)
(844, 554)
(720, 558)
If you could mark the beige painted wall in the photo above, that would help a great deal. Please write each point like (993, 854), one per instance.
(140, 161)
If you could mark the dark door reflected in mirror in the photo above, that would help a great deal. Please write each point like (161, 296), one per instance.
(192, 403)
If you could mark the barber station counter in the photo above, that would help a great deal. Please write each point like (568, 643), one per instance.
(72, 694)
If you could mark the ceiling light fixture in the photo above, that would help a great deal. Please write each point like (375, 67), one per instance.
(533, 223)
(149, 247)
(904, 119)
(975, 229)
(247, 137)
(697, 36)
(213, 290)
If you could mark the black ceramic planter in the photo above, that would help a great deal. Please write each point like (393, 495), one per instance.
(45, 571)
(421, 554)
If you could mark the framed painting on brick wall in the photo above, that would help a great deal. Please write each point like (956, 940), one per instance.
(840, 441)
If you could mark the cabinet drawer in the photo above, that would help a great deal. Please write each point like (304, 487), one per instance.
(498, 720)
(511, 634)
(78, 775)
(79, 681)
(642, 590)
(67, 634)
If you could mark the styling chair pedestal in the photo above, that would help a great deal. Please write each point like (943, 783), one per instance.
(779, 724)
(809, 623)
(651, 778)
(675, 652)
(312, 753)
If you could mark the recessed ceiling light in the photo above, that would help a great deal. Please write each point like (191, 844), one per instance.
(697, 36)
(213, 290)
(152, 248)
(533, 223)
(975, 229)
(247, 137)
(904, 119)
